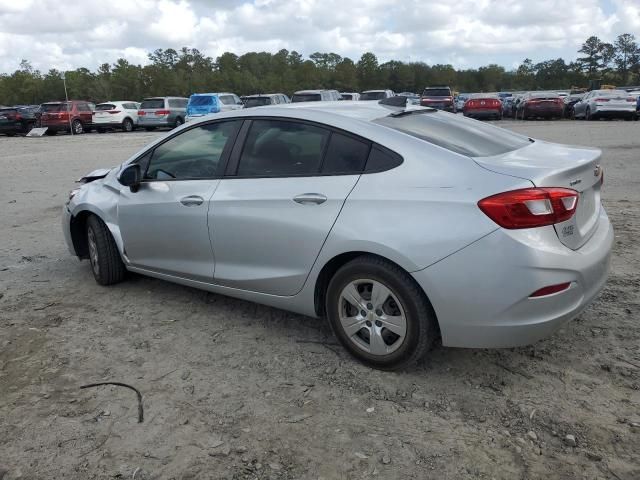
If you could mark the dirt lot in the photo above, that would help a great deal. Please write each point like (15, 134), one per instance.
(236, 390)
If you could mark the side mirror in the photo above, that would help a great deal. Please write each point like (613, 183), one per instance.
(131, 177)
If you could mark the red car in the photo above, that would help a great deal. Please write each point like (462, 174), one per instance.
(483, 105)
(63, 116)
(540, 104)
(438, 97)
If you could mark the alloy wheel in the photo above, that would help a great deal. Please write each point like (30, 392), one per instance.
(372, 317)
(93, 251)
(77, 127)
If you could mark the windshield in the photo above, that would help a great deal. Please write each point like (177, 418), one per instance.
(372, 96)
(54, 107)
(105, 106)
(257, 102)
(152, 103)
(200, 101)
(436, 92)
(305, 97)
(460, 135)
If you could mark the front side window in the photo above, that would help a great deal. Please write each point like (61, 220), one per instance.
(282, 148)
(192, 154)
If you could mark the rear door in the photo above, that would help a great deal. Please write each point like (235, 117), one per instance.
(164, 224)
(273, 211)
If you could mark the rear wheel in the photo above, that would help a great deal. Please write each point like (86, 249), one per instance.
(379, 313)
(127, 125)
(587, 114)
(106, 264)
(178, 122)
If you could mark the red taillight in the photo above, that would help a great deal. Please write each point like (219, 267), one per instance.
(114, 111)
(601, 100)
(18, 116)
(631, 99)
(141, 113)
(550, 290)
(163, 112)
(530, 207)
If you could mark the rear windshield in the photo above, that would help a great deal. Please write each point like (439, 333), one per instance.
(257, 102)
(105, 106)
(305, 97)
(346, 96)
(372, 96)
(436, 92)
(201, 101)
(460, 135)
(54, 107)
(152, 103)
(612, 93)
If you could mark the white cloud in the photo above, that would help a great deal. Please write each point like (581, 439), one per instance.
(469, 33)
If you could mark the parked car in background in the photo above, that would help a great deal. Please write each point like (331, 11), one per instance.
(540, 104)
(167, 112)
(75, 115)
(438, 97)
(262, 99)
(315, 96)
(483, 105)
(385, 220)
(412, 98)
(121, 115)
(636, 94)
(460, 99)
(569, 101)
(202, 104)
(507, 104)
(376, 94)
(350, 96)
(606, 104)
(17, 120)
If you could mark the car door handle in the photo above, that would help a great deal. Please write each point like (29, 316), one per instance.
(310, 198)
(191, 201)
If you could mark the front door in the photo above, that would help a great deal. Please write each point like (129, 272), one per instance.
(164, 224)
(270, 219)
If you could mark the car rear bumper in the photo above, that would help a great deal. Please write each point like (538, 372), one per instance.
(481, 294)
(614, 111)
(482, 113)
(107, 122)
(545, 111)
(152, 121)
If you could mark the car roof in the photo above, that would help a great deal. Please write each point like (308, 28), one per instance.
(257, 95)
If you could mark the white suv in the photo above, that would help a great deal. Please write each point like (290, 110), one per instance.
(116, 115)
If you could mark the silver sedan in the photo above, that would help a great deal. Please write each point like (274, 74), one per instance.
(605, 104)
(400, 225)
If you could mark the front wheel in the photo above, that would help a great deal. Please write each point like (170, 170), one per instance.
(106, 264)
(379, 313)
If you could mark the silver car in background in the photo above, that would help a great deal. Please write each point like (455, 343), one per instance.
(400, 225)
(162, 112)
(605, 104)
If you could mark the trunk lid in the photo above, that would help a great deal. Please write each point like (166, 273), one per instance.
(551, 165)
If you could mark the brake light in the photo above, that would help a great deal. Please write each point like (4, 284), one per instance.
(530, 207)
(631, 99)
(18, 116)
(163, 112)
(114, 111)
(601, 100)
(550, 290)
(141, 113)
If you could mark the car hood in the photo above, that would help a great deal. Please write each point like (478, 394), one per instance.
(95, 175)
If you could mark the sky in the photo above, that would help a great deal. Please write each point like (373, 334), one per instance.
(67, 34)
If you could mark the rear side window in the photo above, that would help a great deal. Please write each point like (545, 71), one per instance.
(130, 106)
(345, 155)
(459, 135)
(282, 148)
(54, 107)
(83, 107)
(192, 154)
(177, 103)
(152, 103)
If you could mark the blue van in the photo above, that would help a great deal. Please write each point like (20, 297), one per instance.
(201, 104)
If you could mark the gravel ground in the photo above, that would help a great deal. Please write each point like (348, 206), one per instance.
(237, 390)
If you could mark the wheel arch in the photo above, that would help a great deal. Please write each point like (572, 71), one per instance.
(78, 228)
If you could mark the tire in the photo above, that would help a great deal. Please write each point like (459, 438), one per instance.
(178, 122)
(587, 114)
(416, 325)
(104, 257)
(127, 125)
(149, 129)
(51, 133)
(77, 127)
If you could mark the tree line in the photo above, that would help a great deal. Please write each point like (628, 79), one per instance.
(182, 72)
